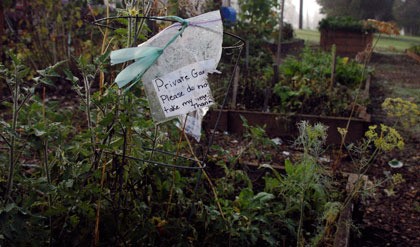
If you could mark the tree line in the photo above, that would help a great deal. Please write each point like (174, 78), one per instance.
(404, 12)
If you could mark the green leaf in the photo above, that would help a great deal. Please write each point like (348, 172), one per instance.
(271, 184)
(121, 31)
(117, 142)
(74, 220)
(5, 124)
(277, 174)
(70, 77)
(288, 166)
(245, 197)
(263, 197)
(9, 207)
(102, 58)
(39, 133)
(69, 183)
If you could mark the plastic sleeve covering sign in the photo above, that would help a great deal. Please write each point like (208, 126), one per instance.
(177, 83)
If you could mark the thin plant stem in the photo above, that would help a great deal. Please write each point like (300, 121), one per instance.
(362, 172)
(13, 138)
(5, 140)
(300, 241)
(98, 209)
(182, 132)
(89, 116)
(48, 175)
(216, 197)
(104, 47)
(359, 181)
(43, 102)
(353, 108)
(46, 163)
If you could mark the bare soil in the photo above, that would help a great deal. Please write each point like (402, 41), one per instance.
(393, 220)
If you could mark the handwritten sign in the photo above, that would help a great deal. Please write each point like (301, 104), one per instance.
(185, 90)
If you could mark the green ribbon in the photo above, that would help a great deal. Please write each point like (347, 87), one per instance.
(144, 57)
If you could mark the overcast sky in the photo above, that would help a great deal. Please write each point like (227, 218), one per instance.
(311, 15)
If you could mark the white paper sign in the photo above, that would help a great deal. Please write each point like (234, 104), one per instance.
(192, 127)
(185, 90)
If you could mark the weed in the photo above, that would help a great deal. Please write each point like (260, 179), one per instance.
(392, 182)
(304, 189)
(257, 139)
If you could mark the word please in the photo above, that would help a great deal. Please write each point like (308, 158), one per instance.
(166, 97)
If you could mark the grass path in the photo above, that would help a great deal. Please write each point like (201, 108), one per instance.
(385, 44)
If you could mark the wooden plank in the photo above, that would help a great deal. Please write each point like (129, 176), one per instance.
(413, 56)
(280, 125)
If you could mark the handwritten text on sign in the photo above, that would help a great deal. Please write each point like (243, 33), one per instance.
(185, 89)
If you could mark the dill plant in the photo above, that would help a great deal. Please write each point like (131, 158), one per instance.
(305, 190)
(404, 112)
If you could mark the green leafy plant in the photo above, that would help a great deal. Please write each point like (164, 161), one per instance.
(344, 23)
(378, 140)
(47, 32)
(27, 135)
(392, 182)
(307, 80)
(90, 175)
(258, 140)
(258, 18)
(21, 91)
(304, 189)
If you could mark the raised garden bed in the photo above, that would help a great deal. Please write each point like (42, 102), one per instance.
(413, 55)
(280, 125)
(350, 36)
(289, 47)
(348, 44)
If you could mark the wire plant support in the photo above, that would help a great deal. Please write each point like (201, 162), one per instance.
(114, 23)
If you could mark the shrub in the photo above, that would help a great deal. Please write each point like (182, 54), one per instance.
(344, 23)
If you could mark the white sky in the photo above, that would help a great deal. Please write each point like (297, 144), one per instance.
(308, 4)
(311, 15)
